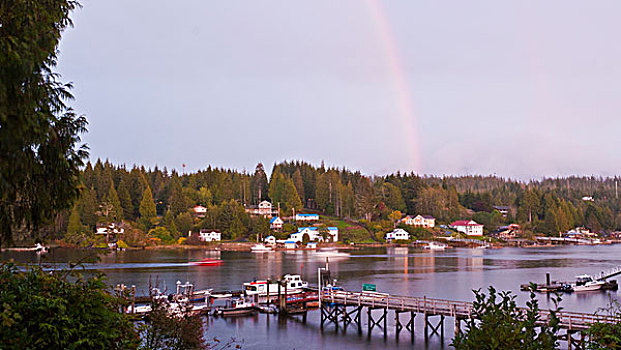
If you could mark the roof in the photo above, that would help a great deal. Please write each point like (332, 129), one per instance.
(209, 231)
(307, 214)
(290, 241)
(501, 207)
(312, 228)
(274, 219)
(465, 223)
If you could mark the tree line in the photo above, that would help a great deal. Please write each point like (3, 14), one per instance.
(161, 200)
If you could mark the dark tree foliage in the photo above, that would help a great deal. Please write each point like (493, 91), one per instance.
(606, 335)
(39, 134)
(39, 310)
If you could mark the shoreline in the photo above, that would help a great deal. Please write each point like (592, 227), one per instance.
(246, 246)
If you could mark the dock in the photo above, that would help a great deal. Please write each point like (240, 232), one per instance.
(345, 307)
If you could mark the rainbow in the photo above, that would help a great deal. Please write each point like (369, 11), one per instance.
(399, 77)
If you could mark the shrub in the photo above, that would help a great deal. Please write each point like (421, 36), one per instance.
(498, 323)
(61, 310)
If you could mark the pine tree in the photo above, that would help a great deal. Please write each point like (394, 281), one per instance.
(299, 184)
(88, 208)
(112, 200)
(126, 200)
(147, 206)
(259, 184)
(75, 226)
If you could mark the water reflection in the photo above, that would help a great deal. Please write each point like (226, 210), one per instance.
(450, 274)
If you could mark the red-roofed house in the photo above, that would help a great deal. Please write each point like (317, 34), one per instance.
(469, 227)
(200, 211)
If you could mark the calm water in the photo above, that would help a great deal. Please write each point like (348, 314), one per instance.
(452, 274)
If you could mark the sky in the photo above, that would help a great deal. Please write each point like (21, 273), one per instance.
(520, 89)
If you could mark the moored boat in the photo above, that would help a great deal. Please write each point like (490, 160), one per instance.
(294, 284)
(435, 246)
(585, 283)
(260, 248)
(236, 307)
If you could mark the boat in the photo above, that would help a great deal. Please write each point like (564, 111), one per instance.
(294, 285)
(176, 305)
(435, 246)
(39, 248)
(241, 306)
(260, 248)
(331, 253)
(585, 283)
(207, 262)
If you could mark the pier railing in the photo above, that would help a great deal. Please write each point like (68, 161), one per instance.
(457, 309)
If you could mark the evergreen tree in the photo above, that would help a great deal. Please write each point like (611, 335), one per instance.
(40, 152)
(88, 208)
(116, 210)
(299, 184)
(126, 200)
(147, 206)
(75, 226)
(259, 184)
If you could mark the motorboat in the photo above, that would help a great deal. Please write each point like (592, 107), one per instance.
(585, 283)
(293, 283)
(260, 248)
(207, 262)
(241, 306)
(435, 246)
(331, 253)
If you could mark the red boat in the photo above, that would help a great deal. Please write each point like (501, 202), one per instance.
(207, 262)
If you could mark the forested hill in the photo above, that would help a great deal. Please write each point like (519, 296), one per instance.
(157, 197)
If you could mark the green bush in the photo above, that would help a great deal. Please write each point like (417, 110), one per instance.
(39, 310)
(498, 323)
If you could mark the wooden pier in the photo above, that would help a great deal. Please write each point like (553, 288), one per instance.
(334, 306)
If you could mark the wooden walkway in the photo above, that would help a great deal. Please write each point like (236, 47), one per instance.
(334, 304)
(457, 309)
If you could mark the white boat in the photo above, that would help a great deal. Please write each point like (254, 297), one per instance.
(236, 307)
(435, 246)
(260, 248)
(585, 283)
(331, 253)
(294, 285)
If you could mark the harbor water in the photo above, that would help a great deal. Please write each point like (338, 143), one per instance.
(451, 274)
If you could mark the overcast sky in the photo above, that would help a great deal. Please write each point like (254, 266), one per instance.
(520, 89)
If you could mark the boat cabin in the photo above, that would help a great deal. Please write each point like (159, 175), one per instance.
(583, 279)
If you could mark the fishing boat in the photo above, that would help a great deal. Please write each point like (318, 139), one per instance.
(260, 248)
(241, 306)
(207, 262)
(585, 283)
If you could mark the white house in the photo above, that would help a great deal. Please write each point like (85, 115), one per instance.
(306, 217)
(426, 221)
(264, 208)
(112, 229)
(397, 234)
(199, 211)
(469, 227)
(208, 235)
(313, 234)
(270, 240)
(276, 223)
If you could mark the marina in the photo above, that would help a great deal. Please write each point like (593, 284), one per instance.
(396, 271)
